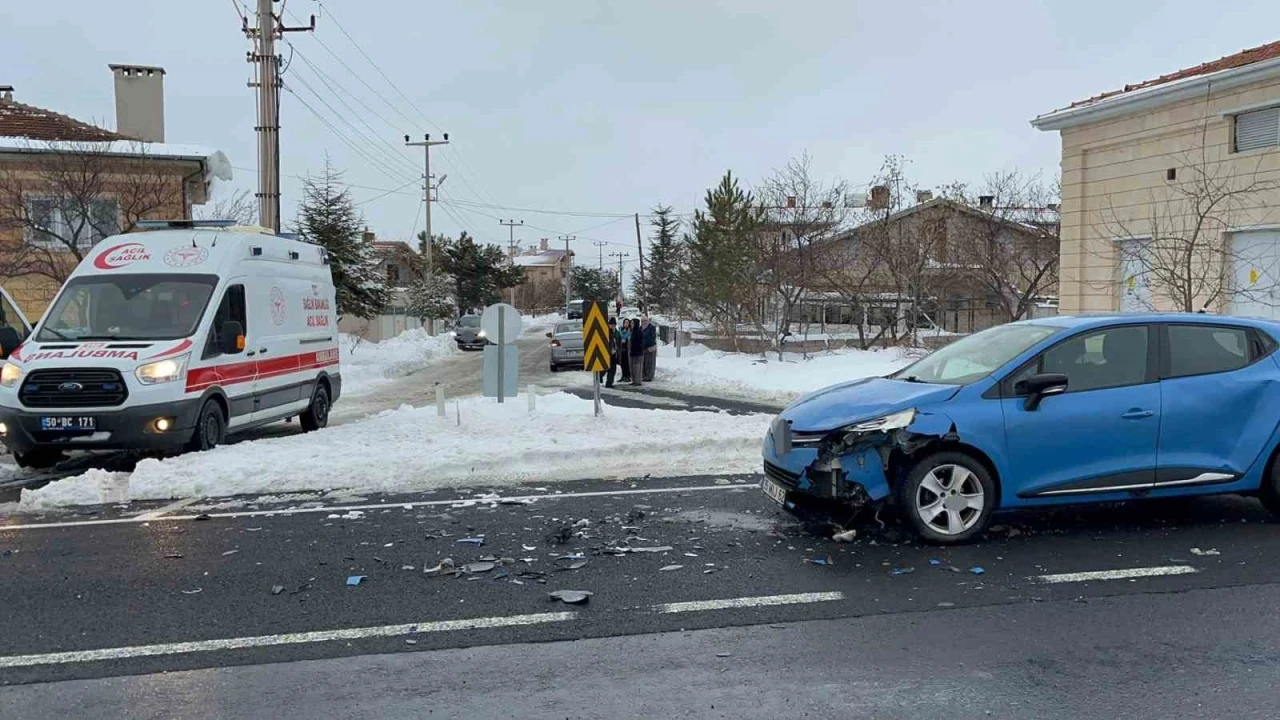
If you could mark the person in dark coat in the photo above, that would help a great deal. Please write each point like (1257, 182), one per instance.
(615, 351)
(636, 348)
(650, 333)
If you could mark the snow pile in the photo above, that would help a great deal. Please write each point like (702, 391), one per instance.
(766, 376)
(366, 364)
(536, 323)
(413, 449)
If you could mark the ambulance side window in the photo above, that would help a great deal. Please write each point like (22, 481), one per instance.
(231, 309)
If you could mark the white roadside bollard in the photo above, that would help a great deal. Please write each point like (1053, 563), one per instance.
(532, 390)
(440, 410)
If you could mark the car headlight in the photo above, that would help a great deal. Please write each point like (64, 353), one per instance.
(453, 333)
(885, 423)
(482, 334)
(163, 371)
(10, 375)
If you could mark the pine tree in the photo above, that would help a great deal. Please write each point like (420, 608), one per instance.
(720, 278)
(662, 267)
(593, 285)
(479, 273)
(327, 217)
(432, 297)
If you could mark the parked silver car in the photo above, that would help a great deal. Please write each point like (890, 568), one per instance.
(566, 345)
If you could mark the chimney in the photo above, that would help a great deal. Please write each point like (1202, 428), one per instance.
(986, 201)
(368, 235)
(923, 196)
(544, 244)
(6, 93)
(879, 198)
(139, 102)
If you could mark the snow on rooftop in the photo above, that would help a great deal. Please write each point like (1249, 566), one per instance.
(217, 164)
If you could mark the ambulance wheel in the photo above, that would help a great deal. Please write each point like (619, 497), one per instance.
(38, 459)
(211, 428)
(316, 415)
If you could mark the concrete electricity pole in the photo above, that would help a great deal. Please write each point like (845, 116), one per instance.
(511, 226)
(426, 144)
(568, 278)
(600, 246)
(264, 38)
(619, 255)
(644, 301)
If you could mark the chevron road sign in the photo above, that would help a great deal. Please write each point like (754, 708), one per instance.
(595, 337)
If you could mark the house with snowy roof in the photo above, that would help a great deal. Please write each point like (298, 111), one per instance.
(545, 270)
(67, 184)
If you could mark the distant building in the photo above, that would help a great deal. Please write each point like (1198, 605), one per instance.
(67, 184)
(545, 271)
(401, 266)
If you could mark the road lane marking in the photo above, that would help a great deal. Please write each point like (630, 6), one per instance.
(198, 646)
(376, 506)
(153, 514)
(1126, 574)
(748, 602)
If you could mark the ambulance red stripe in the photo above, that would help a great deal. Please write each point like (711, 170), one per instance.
(234, 373)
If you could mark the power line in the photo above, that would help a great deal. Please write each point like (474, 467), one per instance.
(379, 197)
(570, 213)
(337, 133)
(382, 155)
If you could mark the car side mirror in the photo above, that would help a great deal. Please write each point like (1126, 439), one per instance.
(231, 338)
(1039, 386)
(549, 335)
(9, 341)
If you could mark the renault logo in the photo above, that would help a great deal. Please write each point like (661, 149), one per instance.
(70, 387)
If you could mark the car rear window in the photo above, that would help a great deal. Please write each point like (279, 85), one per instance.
(1204, 349)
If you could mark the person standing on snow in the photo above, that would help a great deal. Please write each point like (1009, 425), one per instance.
(650, 333)
(636, 347)
(624, 349)
(615, 351)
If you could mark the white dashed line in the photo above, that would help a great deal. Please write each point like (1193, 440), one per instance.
(284, 512)
(153, 514)
(748, 602)
(198, 646)
(1126, 574)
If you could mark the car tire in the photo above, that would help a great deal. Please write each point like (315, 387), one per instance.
(555, 368)
(316, 416)
(210, 430)
(38, 459)
(1269, 493)
(948, 498)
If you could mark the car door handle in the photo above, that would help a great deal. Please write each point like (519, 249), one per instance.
(262, 351)
(1137, 414)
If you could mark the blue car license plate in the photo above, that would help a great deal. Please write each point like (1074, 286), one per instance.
(68, 423)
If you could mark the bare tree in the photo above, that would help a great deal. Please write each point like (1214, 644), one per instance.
(60, 201)
(801, 212)
(1179, 245)
(241, 208)
(1006, 243)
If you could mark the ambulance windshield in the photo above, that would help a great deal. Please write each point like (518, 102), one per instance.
(128, 307)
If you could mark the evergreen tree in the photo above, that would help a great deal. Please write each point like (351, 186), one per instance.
(593, 285)
(720, 278)
(432, 297)
(479, 273)
(662, 266)
(327, 217)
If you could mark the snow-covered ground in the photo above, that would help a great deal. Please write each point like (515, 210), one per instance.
(765, 376)
(366, 365)
(413, 449)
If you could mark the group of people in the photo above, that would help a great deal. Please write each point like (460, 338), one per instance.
(633, 349)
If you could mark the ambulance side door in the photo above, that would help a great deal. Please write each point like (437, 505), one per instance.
(278, 388)
(233, 372)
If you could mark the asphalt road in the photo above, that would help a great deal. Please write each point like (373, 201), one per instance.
(1178, 621)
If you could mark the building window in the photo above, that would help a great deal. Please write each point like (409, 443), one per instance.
(63, 223)
(393, 275)
(1258, 129)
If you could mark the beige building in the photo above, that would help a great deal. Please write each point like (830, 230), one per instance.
(400, 266)
(544, 276)
(1171, 191)
(65, 184)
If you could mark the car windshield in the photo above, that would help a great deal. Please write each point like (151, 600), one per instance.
(128, 307)
(469, 321)
(972, 358)
(568, 328)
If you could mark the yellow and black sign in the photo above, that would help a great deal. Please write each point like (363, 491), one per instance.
(595, 337)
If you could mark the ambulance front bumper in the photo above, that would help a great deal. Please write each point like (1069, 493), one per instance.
(125, 428)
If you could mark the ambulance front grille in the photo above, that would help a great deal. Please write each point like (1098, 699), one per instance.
(73, 388)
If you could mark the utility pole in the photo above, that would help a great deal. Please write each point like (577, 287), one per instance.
(644, 301)
(511, 232)
(426, 144)
(264, 38)
(568, 278)
(619, 255)
(600, 246)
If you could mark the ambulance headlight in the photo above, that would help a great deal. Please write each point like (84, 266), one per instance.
(163, 371)
(10, 375)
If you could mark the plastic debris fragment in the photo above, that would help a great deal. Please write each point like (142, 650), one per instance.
(846, 536)
(477, 541)
(669, 568)
(977, 570)
(571, 597)
(902, 571)
(354, 580)
(1203, 553)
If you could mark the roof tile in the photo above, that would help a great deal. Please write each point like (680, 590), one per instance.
(27, 121)
(1244, 57)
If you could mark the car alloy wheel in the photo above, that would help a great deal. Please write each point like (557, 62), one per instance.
(950, 499)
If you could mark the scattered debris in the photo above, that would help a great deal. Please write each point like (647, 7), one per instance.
(1202, 553)
(410, 642)
(529, 548)
(724, 654)
(846, 536)
(820, 561)
(977, 570)
(946, 604)
(561, 536)
(571, 597)
(197, 591)
(407, 567)
(582, 524)
(634, 516)
(657, 549)
(572, 556)
(669, 568)
(230, 552)
(171, 556)
(935, 562)
(722, 481)
(578, 565)
(445, 567)
(277, 589)
(516, 501)
(902, 571)
(478, 567)
(477, 541)
(691, 554)
(202, 516)
(354, 580)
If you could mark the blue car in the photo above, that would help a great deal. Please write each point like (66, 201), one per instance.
(1039, 413)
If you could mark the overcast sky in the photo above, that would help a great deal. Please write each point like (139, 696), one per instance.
(611, 106)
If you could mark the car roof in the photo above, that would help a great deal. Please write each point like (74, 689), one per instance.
(1086, 321)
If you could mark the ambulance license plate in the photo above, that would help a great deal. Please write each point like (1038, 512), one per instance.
(68, 423)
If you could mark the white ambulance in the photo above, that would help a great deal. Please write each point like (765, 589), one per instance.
(173, 338)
